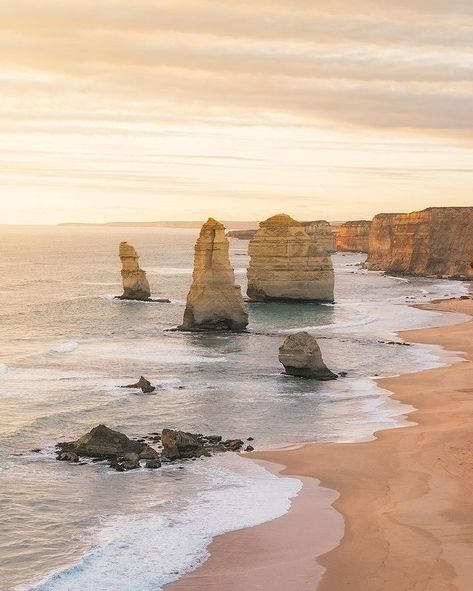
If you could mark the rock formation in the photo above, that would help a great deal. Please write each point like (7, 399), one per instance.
(135, 284)
(105, 443)
(181, 445)
(214, 301)
(322, 231)
(142, 384)
(437, 241)
(300, 354)
(286, 263)
(354, 236)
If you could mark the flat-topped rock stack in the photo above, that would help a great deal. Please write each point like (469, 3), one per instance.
(287, 264)
(354, 236)
(322, 231)
(214, 301)
(437, 241)
(135, 283)
(301, 356)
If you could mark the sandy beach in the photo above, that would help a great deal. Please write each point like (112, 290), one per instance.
(405, 498)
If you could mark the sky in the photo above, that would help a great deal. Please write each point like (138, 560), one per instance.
(146, 110)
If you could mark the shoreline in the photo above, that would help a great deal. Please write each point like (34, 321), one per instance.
(404, 496)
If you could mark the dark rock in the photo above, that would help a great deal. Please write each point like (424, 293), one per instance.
(464, 297)
(67, 456)
(213, 438)
(249, 448)
(343, 374)
(233, 444)
(142, 384)
(250, 439)
(179, 444)
(153, 464)
(104, 443)
(36, 450)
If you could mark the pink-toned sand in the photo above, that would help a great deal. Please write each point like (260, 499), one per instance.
(406, 498)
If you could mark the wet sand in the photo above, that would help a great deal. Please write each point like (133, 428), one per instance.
(406, 498)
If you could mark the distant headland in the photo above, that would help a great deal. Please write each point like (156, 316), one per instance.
(169, 224)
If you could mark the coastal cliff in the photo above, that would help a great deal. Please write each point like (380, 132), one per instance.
(286, 263)
(322, 231)
(354, 236)
(436, 241)
(135, 283)
(214, 301)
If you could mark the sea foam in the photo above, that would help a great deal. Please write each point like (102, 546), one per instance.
(148, 550)
(67, 347)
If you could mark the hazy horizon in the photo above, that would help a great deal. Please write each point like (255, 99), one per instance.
(185, 109)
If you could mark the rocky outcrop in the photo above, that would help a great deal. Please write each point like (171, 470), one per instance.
(300, 354)
(286, 263)
(181, 445)
(214, 301)
(354, 236)
(142, 384)
(135, 283)
(437, 241)
(104, 443)
(323, 232)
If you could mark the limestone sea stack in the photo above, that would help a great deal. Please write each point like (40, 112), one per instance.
(286, 263)
(437, 241)
(323, 233)
(135, 283)
(354, 236)
(300, 354)
(214, 301)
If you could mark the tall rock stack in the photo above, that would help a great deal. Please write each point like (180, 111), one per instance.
(354, 236)
(214, 301)
(322, 231)
(135, 283)
(286, 263)
(437, 241)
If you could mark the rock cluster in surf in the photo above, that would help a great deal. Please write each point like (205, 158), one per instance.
(286, 263)
(123, 453)
(301, 356)
(214, 301)
(135, 283)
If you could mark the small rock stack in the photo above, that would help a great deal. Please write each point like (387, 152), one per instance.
(135, 283)
(300, 354)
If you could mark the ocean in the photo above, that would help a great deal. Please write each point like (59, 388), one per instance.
(66, 348)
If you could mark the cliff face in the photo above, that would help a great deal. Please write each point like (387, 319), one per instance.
(286, 263)
(135, 283)
(354, 236)
(322, 231)
(436, 241)
(214, 301)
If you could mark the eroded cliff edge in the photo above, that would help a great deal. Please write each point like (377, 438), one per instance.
(436, 241)
(354, 236)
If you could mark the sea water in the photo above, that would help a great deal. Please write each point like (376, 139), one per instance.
(66, 349)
